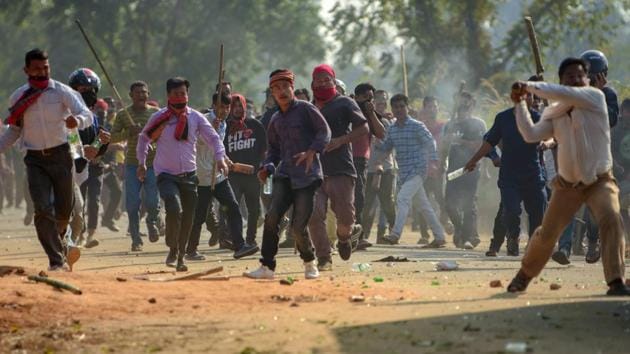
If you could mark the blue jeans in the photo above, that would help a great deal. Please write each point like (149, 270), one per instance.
(410, 189)
(133, 200)
(566, 239)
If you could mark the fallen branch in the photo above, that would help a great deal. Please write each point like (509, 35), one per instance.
(56, 284)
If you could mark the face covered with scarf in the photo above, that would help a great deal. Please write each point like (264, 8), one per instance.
(177, 101)
(237, 113)
(38, 72)
(323, 85)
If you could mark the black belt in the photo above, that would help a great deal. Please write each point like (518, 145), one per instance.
(50, 151)
(186, 174)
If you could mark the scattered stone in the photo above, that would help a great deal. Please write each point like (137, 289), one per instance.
(42, 274)
(378, 279)
(152, 300)
(496, 284)
(357, 298)
(470, 328)
(294, 304)
(554, 286)
(446, 266)
(121, 279)
(19, 293)
(281, 298)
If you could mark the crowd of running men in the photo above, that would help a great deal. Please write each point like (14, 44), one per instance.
(368, 156)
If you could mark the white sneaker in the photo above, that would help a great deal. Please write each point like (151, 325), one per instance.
(261, 273)
(310, 270)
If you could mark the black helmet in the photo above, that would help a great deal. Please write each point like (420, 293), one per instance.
(84, 77)
(597, 61)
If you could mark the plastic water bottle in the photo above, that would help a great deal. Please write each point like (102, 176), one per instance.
(76, 146)
(268, 187)
(361, 267)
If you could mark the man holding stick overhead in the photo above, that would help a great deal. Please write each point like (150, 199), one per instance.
(41, 114)
(578, 121)
(176, 129)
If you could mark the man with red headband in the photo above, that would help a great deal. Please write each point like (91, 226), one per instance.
(297, 134)
(175, 129)
(42, 111)
(346, 123)
(245, 142)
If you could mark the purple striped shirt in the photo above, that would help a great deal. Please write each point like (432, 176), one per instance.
(179, 156)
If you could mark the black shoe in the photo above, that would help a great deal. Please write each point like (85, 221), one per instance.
(324, 264)
(246, 250)
(251, 242)
(561, 257)
(391, 239)
(491, 253)
(592, 254)
(618, 288)
(519, 283)
(345, 249)
(195, 256)
(512, 247)
(110, 225)
(436, 244)
(363, 245)
(181, 267)
(287, 243)
(226, 245)
(154, 233)
(136, 248)
(171, 259)
(423, 240)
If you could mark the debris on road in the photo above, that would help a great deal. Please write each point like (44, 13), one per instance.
(7, 270)
(56, 284)
(357, 298)
(446, 266)
(554, 286)
(393, 259)
(496, 284)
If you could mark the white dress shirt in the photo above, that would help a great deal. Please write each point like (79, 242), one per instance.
(43, 125)
(578, 120)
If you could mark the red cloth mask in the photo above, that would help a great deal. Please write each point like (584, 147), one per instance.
(38, 82)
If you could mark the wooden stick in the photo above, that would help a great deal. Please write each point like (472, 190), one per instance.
(109, 79)
(217, 111)
(404, 70)
(55, 283)
(198, 275)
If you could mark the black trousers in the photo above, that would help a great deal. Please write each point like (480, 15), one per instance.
(179, 193)
(360, 164)
(114, 189)
(91, 192)
(248, 186)
(50, 174)
(225, 196)
(385, 194)
(283, 197)
(461, 206)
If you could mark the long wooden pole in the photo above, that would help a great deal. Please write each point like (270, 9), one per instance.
(109, 79)
(217, 110)
(403, 62)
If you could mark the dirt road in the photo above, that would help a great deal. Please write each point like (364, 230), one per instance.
(414, 309)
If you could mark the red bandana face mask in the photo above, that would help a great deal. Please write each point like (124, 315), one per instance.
(178, 103)
(38, 82)
(324, 93)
